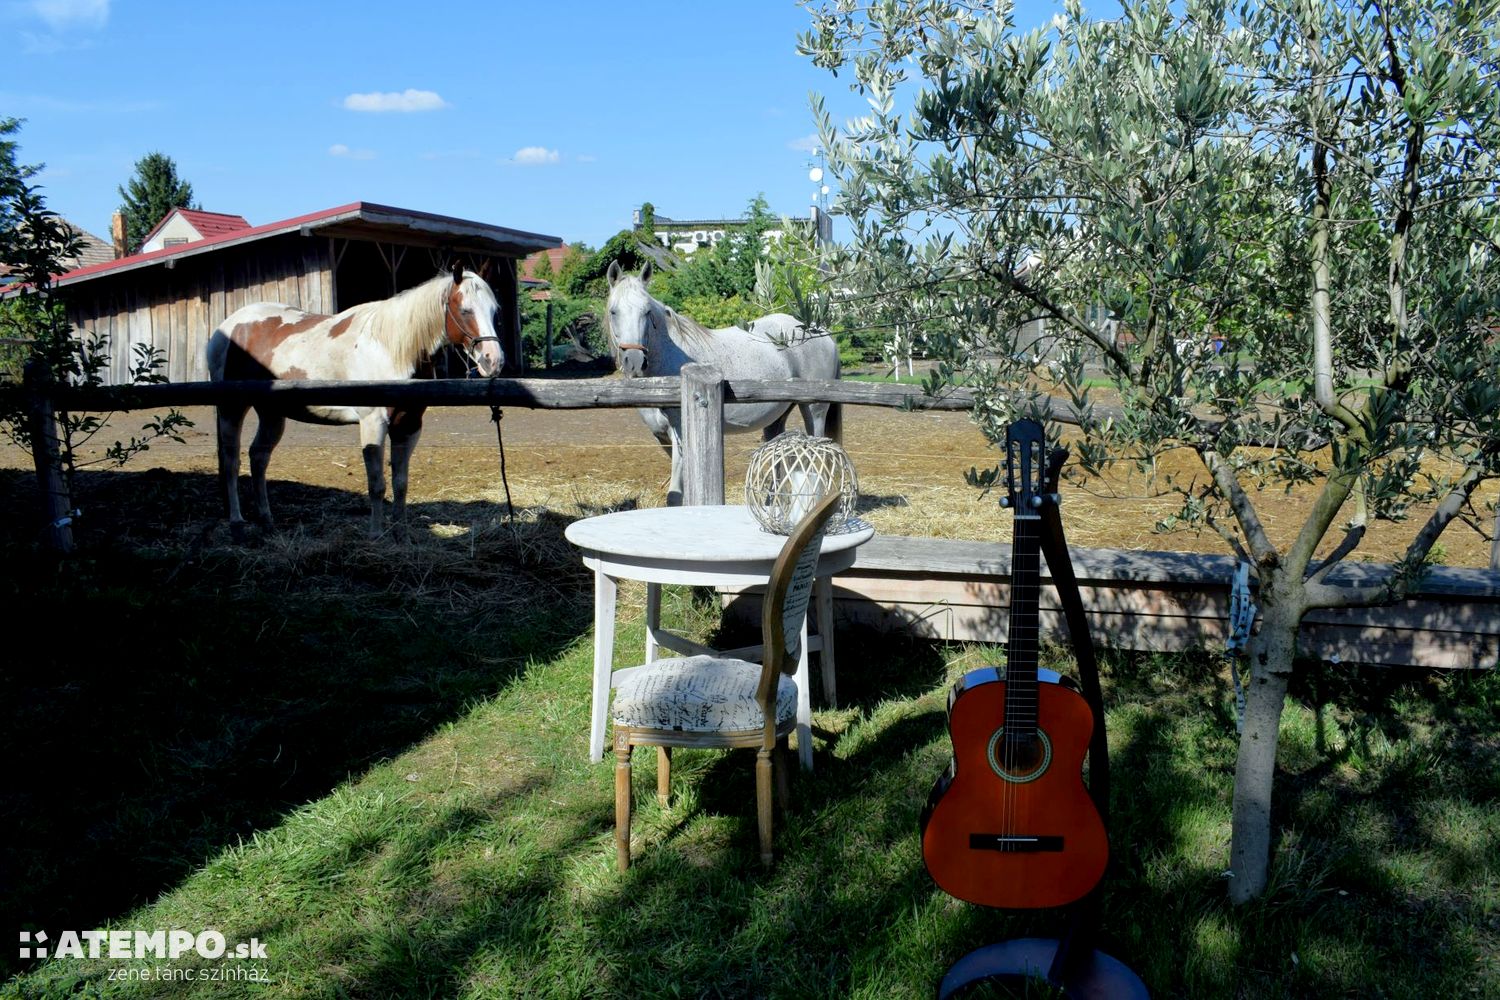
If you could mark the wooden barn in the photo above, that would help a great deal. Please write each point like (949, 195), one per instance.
(174, 297)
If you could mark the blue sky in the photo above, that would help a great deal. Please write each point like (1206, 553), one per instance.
(557, 118)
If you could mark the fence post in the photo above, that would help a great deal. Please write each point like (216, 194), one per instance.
(42, 419)
(702, 435)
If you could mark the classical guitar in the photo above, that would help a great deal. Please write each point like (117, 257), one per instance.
(1011, 824)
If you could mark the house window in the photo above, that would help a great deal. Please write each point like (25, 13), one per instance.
(174, 241)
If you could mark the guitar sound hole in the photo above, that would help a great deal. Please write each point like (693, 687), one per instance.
(1021, 759)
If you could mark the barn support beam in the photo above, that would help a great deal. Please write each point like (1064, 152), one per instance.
(509, 294)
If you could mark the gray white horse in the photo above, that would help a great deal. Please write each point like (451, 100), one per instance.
(649, 338)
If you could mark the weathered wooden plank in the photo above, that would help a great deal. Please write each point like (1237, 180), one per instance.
(1431, 612)
(949, 556)
(702, 436)
(572, 394)
(1372, 643)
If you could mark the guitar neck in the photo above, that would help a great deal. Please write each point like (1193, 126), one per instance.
(1021, 657)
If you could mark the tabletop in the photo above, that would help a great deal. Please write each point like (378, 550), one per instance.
(713, 534)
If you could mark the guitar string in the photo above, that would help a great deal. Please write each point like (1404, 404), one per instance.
(1020, 694)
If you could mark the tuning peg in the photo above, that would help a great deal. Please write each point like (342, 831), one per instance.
(1036, 501)
(1005, 502)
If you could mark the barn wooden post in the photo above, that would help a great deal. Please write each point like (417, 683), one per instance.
(508, 292)
(702, 435)
(47, 457)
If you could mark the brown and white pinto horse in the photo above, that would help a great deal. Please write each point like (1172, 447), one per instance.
(386, 339)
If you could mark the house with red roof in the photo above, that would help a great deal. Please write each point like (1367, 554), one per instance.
(189, 225)
(171, 298)
(554, 256)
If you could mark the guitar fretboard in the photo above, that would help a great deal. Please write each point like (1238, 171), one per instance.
(1025, 628)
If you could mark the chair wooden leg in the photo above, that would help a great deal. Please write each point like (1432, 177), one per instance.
(663, 775)
(763, 803)
(782, 762)
(622, 806)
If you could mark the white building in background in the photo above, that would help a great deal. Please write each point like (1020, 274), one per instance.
(687, 236)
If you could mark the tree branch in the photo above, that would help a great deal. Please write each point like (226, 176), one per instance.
(1262, 550)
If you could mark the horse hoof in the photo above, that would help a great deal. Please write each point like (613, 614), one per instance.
(239, 532)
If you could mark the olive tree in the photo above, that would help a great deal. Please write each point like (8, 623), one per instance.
(1309, 183)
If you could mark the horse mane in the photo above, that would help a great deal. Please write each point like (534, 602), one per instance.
(409, 325)
(685, 329)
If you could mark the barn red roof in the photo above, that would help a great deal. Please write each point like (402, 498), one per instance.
(360, 219)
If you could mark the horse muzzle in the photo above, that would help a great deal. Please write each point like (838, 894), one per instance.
(632, 360)
(487, 355)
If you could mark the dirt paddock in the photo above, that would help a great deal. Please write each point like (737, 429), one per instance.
(910, 465)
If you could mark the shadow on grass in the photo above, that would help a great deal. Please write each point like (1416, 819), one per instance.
(176, 695)
(252, 685)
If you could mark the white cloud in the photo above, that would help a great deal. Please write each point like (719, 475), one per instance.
(587, 158)
(531, 156)
(339, 149)
(806, 144)
(406, 100)
(61, 15)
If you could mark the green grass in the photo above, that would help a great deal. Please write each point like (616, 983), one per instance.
(372, 758)
(888, 379)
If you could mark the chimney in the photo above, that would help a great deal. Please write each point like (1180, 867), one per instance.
(117, 233)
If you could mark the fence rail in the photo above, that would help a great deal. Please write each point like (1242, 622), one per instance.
(546, 394)
(700, 393)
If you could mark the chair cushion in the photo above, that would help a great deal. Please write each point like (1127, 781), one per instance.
(698, 694)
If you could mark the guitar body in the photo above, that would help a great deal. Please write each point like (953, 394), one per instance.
(1019, 836)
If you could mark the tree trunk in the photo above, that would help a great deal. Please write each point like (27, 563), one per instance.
(1270, 653)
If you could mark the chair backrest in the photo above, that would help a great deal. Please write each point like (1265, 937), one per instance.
(788, 592)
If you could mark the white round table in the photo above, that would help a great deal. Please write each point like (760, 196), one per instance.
(698, 546)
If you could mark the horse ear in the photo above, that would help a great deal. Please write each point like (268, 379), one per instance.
(487, 269)
(458, 272)
(613, 274)
(646, 273)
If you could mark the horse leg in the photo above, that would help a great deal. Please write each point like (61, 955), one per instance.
(823, 419)
(372, 431)
(775, 427)
(674, 433)
(405, 428)
(231, 421)
(267, 434)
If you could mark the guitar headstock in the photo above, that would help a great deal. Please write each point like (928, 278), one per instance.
(1031, 472)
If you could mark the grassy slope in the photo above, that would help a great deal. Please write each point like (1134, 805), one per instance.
(374, 762)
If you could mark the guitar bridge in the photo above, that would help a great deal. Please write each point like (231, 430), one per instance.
(1014, 843)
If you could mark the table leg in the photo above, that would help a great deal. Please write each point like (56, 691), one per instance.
(653, 619)
(804, 705)
(604, 654)
(823, 591)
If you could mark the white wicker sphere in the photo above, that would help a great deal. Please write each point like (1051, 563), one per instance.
(790, 473)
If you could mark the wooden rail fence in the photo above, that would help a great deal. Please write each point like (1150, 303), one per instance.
(956, 590)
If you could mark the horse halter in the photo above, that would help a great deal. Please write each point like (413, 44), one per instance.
(621, 347)
(458, 323)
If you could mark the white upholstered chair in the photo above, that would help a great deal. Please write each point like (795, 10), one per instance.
(705, 701)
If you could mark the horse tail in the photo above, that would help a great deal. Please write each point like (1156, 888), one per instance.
(217, 354)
